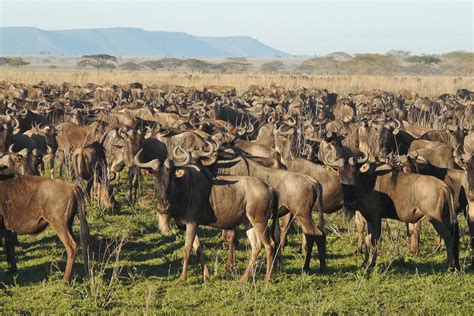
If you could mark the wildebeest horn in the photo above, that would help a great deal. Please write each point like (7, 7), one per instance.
(23, 112)
(10, 149)
(184, 114)
(288, 132)
(16, 123)
(152, 165)
(209, 153)
(250, 128)
(458, 154)
(363, 159)
(177, 157)
(291, 121)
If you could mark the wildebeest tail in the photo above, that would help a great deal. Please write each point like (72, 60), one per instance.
(275, 224)
(319, 203)
(84, 233)
(453, 219)
(78, 164)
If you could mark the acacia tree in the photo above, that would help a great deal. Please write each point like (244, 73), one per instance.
(153, 64)
(130, 66)
(196, 64)
(172, 63)
(426, 61)
(17, 62)
(4, 61)
(98, 61)
(272, 66)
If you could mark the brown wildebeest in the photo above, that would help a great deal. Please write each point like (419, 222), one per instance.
(298, 194)
(90, 164)
(466, 162)
(192, 197)
(50, 202)
(379, 191)
(454, 178)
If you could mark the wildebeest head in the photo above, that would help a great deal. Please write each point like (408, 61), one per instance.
(466, 161)
(286, 140)
(179, 187)
(24, 162)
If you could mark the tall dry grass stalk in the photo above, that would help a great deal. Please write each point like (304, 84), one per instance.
(424, 85)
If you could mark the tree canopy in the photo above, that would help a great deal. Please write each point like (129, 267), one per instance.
(98, 61)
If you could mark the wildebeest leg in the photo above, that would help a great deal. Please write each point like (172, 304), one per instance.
(414, 233)
(284, 229)
(229, 236)
(313, 233)
(256, 245)
(470, 224)
(448, 238)
(197, 247)
(133, 183)
(360, 224)
(65, 235)
(372, 241)
(9, 242)
(264, 238)
(188, 245)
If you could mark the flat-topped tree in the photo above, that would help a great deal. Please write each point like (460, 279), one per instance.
(153, 64)
(17, 62)
(196, 64)
(172, 63)
(272, 66)
(98, 61)
(426, 61)
(130, 66)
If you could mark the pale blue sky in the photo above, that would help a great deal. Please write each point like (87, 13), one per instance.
(296, 27)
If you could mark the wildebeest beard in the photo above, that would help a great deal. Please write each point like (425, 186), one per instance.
(188, 194)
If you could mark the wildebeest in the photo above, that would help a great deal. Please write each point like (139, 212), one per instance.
(379, 191)
(50, 202)
(90, 164)
(297, 194)
(193, 197)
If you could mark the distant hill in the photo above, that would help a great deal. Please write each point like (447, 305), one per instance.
(125, 41)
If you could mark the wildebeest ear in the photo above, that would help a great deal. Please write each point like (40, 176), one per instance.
(179, 173)
(365, 167)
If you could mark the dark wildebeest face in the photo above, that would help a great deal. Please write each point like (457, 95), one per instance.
(350, 176)
(466, 161)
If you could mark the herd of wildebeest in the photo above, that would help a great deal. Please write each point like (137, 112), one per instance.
(224, 160)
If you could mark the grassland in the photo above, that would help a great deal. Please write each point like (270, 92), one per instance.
(424, 85)
(138, 268)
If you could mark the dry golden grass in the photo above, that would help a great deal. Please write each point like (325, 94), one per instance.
(424, 85)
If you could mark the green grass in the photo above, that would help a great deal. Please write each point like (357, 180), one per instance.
(144, 276)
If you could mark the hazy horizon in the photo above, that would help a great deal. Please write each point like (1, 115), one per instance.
(297, 28)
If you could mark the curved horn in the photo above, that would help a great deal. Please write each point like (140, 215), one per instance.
(16, 123)
(23, 112)
(153, 164)
(288, 132)
(250, 128)
(10, 149)
(363, 159)
(186, 154)
(183, 114)
(206, 154)
(291, 121)
(398, 124)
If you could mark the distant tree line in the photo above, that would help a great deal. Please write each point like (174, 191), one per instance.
(397, 62)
